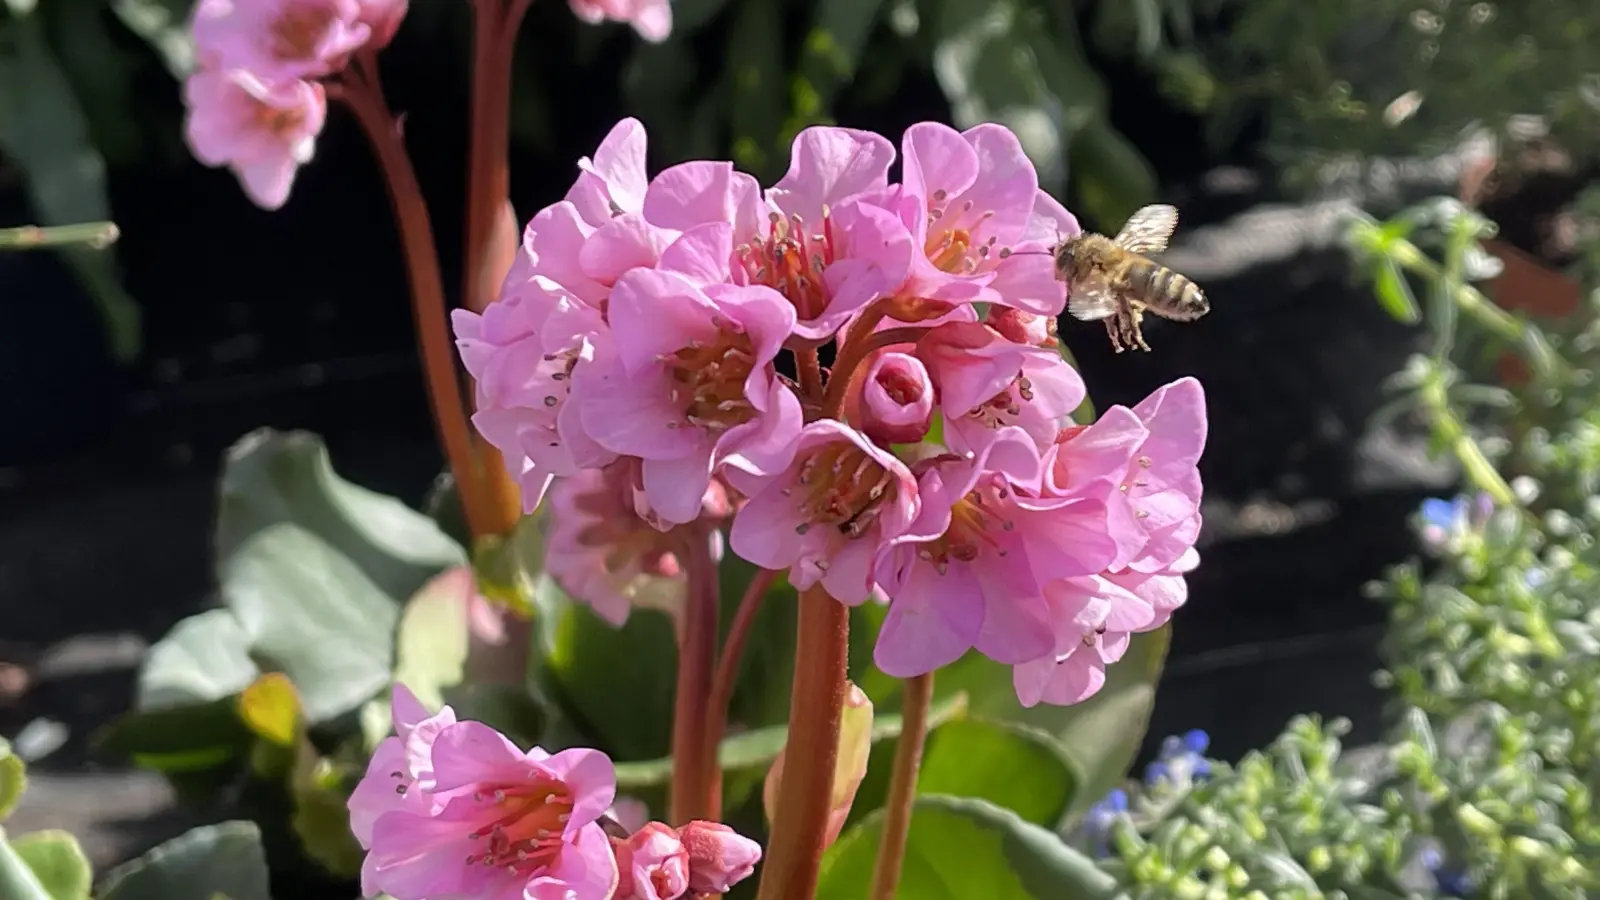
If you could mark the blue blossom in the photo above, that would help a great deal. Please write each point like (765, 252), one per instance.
(1101, 817)
(1444, 521)
(1451, 880)
(1181, 760)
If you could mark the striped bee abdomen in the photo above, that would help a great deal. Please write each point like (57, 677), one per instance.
(1165, 292)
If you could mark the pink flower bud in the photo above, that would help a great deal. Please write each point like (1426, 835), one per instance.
(855, 745)
(652, 864)
(896, 399)
(719, 857)
(1023, 327)
(384, 18)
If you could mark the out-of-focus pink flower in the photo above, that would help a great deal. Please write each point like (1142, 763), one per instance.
(829, 514)
(600, 550)
(969, 571)
(651, 18)
(400, 773)
(629, 812)
(1023, 327)
(719, 857)
(972, 203)
(652, 864)
(495, 822)
(1144, 461)
(896, 400)
(383, 18)
(849, 768)
(691, 387)
(986, 382)
(279, 40)
(263, 132)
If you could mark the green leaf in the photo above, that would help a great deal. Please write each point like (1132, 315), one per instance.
(1394, 293)
(321, 817)
(273, 477)
(58, 862)
(758, 748)
(689, 16)
(164, 25)
(1100, 736)
(226, 858)
(1012, 766)
(311, 613)
(961, 848)
(203, 658)
(13, 779)
(44, 133)
(17, 878)
(193, 738)
(431, 648)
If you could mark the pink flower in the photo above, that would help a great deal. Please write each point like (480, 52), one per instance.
(816, 237)
(970, 570)
(895, 405)
(651, 18)
(600, 551)
(614, 181)
(400, 773)
(1144, 462)
(652, 864)
(691, 387)
(1023, 327)
(719, 857)
(829, 514)
(986, 382)
(279, 40)
(263, 132)
(496, 822)
(972, 203)
(383, 18)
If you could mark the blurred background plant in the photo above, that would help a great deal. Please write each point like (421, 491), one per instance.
(1485, 784)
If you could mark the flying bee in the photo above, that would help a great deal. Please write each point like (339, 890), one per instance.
(1111, 279)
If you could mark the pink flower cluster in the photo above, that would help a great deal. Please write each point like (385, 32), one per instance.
(452, 808)
(256, 102)
(644, 332)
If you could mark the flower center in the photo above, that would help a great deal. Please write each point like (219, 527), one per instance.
(841, 485)
(791, 262)
(276, 120)
(950, 244)
(529, 821)
(901, 386)
(296, 33)
(974, 519)
(708, 378)
(1004, 407)
(629, 542)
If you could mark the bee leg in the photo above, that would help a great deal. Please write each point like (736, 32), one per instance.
(1132, 333)
(1111, 331)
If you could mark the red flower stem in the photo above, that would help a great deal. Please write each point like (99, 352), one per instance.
(727, 674)
(917, 697)
(852, 355)
(808, 369)
(800, 823)
(695, 775)
(362, 94)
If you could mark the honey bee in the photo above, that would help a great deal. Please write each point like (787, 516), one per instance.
(1111, 279)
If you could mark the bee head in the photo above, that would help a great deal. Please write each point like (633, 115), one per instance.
(1066, 255)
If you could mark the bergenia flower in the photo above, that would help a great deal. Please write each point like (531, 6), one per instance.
(485, 819)
(603, 553)
(719, 857)
(279, 40)
(652, 19)
(400, 773)
(986, 381)
(970, 570)
(652, 864)
(263, 131)
(382, 18)
(895, 405)
(830, 514)
(691, 386)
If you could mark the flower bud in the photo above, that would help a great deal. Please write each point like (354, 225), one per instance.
(652, 864)
(1023, 327)
(719, 857)
(384, 18)
(896, 399)
(855, 745)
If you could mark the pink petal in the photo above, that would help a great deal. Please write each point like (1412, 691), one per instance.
(1006, 184)
(675, 487)
(416, 856)
(655, 314)
(591, 778)
(615, 176)
(694, 193)
(469, 753)
(936, 158)
(933, 619)
(827, 165)
(625, 242)
(376, 793)
(585, 870)
(701, 255)
(635, 417)
(764, 528)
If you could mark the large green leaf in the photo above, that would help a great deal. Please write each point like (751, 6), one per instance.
(13, 779)
(311, 613)
(203, 658)
(58, 862)
(44, 133)
(961, 848)
(214, 859)
(17, 878)
(1012, 766)
(431, 647)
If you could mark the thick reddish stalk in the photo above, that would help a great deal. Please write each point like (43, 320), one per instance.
(917, 698)
(800, 822)
(362, 94)
(727, 674)
(694, 759)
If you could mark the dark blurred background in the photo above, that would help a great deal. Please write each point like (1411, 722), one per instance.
(125, 375)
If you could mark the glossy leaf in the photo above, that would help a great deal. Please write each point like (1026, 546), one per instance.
(270, 708)
(43, 133)
(57, 861)
(193, 738)
(959, 848)
(431, 647)
(17, 879)
(203, 658)
(226, 858)
(13, 779)
(1012, 766)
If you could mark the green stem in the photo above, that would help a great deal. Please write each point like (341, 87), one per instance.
(1480, 472)
(97, 235)
(918, 696)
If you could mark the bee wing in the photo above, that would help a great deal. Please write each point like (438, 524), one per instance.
(1149, 229)
(1091, 300)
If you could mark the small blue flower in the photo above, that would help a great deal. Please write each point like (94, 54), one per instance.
(1101, 817)
(1441, 514)
(1452, 881)
(1181, 760)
